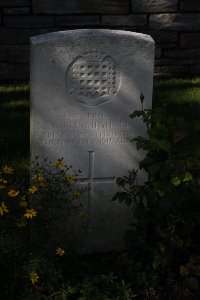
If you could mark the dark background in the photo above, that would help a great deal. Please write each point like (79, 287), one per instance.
(174, 25)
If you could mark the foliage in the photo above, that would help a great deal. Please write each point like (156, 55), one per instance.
(164, 240)
(29, 210)
(163, 257)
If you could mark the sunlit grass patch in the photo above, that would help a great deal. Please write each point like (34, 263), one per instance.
(177, 90)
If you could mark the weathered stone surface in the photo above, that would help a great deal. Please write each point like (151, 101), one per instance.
(129, 20)
(18, 54)
(175, 22)
(29, 21)
(190, 40)
(77, 20)
(153, 6)
(81, 6)
(190, 6)
(14, 3)
(180, 53)
(84, 85)
(16, 11)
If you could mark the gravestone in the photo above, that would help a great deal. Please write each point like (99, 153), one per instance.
(84, 86)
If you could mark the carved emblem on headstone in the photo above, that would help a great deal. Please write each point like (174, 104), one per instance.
(93, 78)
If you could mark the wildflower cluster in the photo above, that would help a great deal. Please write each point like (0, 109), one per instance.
(56, 179)
(49, 191)
(48, 181)
(14, 195)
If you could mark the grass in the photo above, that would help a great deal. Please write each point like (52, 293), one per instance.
(177, 91)
(14, 123)
(14, 112)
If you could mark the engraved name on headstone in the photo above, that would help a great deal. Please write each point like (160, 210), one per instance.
(84, 86)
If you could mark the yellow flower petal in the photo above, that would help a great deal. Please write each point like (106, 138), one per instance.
(33, 189)
(69, 179)
(38, 177)
(3, 208)
(7, 170)
(33, 277)
(60, 251)
(59, 164)
(30, 213)
(13, 193)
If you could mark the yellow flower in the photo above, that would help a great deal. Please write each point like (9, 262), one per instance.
(13, 193)
(60, 251)
(39, 177)
(77, 194)
(7, 170)
(59, 164)
(69, 179)
(3, 209)
(30, 213)
(3, 181)
(33, 189)
(33, 277)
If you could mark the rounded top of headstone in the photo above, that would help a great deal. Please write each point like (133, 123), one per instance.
(76, 33)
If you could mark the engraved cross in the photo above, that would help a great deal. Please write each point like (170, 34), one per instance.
(91, 180)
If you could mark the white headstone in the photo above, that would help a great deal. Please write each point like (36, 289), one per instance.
(84, 86)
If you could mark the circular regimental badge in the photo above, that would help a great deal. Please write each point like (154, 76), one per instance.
(93, 78)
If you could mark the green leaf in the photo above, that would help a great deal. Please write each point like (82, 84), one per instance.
(188, 177)
(136, 113)
(122, 197)
(175, 181)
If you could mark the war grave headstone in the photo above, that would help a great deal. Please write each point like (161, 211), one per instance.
(84, 86)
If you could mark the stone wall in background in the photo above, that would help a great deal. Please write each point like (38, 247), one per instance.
(174, 25)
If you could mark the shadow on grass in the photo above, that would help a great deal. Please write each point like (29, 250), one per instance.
(14, 123)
